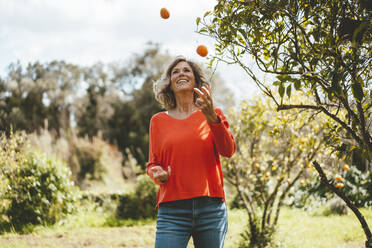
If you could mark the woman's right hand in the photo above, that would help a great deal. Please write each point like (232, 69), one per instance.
(159, 174)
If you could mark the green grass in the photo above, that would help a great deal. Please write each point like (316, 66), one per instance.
(98, 229)
(301, 229)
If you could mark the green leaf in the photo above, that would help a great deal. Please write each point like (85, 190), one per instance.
(288, 91)
(335, 86)
(282, 78)
(357, 91)
(281, 90)
(197, 20)
(203, 30)
(330, 95)
(297, 84)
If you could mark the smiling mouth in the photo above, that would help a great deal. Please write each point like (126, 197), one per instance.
(182, 81)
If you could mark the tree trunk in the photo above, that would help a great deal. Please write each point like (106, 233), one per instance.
(369, 243)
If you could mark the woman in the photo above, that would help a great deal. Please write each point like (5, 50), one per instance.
(185, 144)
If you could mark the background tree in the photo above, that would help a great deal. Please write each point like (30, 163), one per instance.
(38, 93)
(93, 108)
(273, 153)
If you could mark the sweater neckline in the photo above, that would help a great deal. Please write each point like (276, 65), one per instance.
(192, 114)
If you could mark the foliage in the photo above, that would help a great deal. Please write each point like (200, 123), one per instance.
(39, 189)
(273, 153)
(141, 203)
(87, 159)
(320, 48)
(253, 237)
(336, 206)
(95, 164)
(38, 93)
(357, 187)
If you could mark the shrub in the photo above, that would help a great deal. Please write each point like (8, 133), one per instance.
(253, 236)
(141, 203)
(39, 189)
(358, 188)
(90, 165)
(336, 206)
(95, 164)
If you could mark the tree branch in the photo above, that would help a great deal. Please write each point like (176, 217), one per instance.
(325, 111)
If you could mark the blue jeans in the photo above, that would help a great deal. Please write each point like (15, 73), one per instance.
(203, 218)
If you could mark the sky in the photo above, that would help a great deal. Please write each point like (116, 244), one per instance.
(85, 32)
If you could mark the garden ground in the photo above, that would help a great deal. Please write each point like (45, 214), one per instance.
(296, 229)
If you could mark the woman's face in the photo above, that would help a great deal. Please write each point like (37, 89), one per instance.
(182, 77)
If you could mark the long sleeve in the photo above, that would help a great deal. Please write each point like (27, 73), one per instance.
(224, 139)
(153, 158)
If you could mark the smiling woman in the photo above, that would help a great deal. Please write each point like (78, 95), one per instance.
(185, 145)
(162, 88)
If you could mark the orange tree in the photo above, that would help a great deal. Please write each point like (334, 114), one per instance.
(273, 153)
(322, 48)
(319, 47)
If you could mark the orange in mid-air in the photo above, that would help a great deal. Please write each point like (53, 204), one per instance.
(164, 13)
(346, 167)
(202, 50)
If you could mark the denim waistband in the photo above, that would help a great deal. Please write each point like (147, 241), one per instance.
(189, 203)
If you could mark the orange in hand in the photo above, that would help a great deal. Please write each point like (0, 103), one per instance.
(202, 50)
(164, 13)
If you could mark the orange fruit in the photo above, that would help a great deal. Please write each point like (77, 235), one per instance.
(339, 185)
(288, 180)
(164, 13)
(202, 50)
(302, 182)
(256, 166)
(346, 167)
(338, 178)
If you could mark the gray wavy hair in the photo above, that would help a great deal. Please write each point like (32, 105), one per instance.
(162, 87)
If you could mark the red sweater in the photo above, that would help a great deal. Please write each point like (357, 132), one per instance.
(191, 147)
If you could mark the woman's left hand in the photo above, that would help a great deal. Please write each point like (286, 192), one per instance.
(205, 104)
